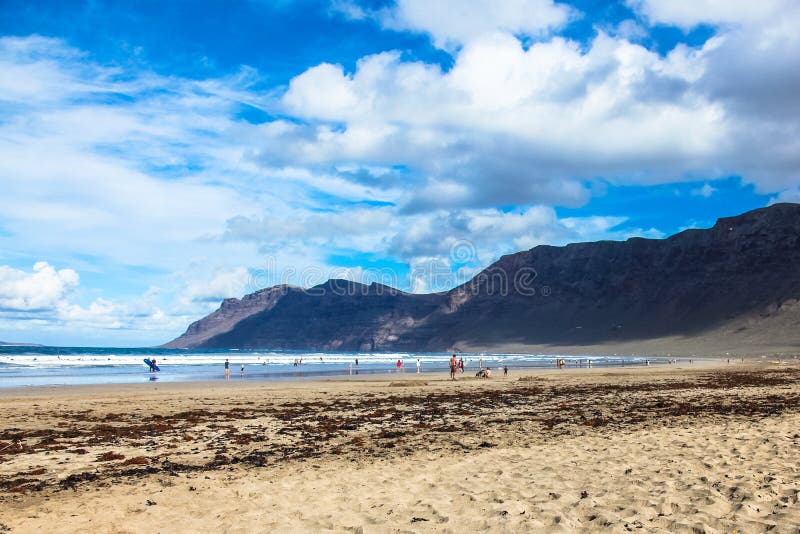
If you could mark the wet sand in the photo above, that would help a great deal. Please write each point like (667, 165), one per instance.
(673, 448)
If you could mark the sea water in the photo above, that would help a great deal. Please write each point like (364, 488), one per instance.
(22, 366)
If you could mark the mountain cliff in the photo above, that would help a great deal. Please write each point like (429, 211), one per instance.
(735, 284)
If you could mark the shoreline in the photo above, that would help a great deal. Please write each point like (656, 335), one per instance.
(313, 380)
(644, 444)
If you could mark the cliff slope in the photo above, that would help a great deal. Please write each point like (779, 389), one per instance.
(737, 282)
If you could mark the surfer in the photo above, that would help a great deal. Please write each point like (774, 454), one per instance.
(227, 369)
(153, 365)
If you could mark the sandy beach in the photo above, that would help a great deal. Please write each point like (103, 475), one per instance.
(677, 448)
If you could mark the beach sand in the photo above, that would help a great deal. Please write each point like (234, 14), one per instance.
(678, 448)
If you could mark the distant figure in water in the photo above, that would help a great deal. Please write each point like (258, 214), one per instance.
(480, 364)
(153, 365)
(461, 364)
(418, 364)
(356, 362)
(242, 370)
(399, 366)
(453, 365)
(227, 369)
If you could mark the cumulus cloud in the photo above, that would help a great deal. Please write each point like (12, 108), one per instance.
(511, 125)
(39, 290)
(43, 296)
(45, 300)
(224, 283)
(690, 13)
(539, 122)
(451, 23)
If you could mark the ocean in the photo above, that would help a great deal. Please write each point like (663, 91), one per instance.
(26, 366)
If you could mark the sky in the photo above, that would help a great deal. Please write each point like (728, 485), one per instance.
(158, 157)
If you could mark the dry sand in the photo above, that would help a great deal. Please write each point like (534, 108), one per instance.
(695, 449)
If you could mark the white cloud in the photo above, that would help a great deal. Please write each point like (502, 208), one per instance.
(690, 13)
(102, 182)
(302, 97)
(349, 9)
(42, 289)
(42, 302)
(629, 30)
(224, 283)
(790, 195)
(705, 191)
(508, 125)
(451, 23)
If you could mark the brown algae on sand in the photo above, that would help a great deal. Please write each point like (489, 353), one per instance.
(730, 427)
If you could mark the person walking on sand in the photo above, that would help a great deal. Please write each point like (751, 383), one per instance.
(453, 365)
(227, 369)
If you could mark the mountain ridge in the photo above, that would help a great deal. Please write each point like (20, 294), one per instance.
(696, 284)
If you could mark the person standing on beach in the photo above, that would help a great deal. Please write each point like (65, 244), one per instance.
(418, 364)
(227, 369)
(461, 364)
(453, 365)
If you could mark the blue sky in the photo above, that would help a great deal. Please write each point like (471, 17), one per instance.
(158, 157)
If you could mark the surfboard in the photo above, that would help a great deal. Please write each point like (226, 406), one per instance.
(147, 362)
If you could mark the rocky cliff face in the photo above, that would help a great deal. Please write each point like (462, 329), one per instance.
(336, 315)
(743, 269)
(229, 314)
(589, 293)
